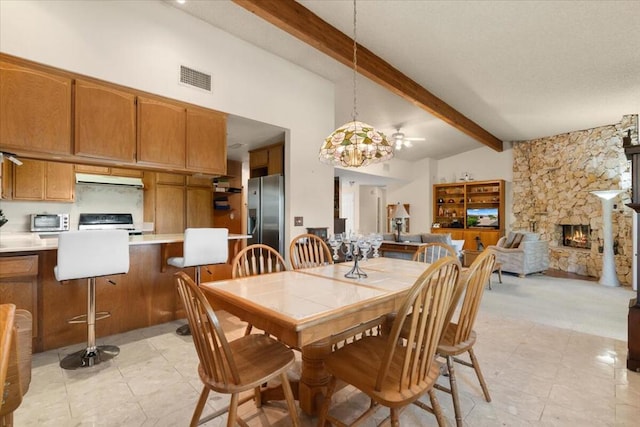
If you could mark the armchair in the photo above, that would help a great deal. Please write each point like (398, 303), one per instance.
(522, 253)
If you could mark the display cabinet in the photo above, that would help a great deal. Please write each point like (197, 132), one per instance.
(470, 210)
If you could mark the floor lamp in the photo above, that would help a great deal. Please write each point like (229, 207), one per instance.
(608, 277)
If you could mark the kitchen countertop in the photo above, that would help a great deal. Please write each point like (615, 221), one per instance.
(28, 242)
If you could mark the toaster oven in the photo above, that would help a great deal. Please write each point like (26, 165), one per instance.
(50, 222)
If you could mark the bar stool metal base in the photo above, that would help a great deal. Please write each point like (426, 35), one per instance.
(90, 356)
(184, 330)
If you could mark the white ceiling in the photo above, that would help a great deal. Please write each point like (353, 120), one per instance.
(519, 69)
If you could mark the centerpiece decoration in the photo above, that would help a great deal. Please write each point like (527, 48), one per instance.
(355, 248)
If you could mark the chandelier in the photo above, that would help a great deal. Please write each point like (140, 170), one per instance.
(355, 143)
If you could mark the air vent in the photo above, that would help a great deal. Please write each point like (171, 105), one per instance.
(195, 78)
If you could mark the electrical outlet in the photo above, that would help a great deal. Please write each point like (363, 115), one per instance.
(297, 221)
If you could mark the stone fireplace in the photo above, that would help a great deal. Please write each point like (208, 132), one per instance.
(576, 236)
(552, 181)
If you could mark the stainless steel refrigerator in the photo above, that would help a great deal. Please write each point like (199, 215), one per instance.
(265, 200)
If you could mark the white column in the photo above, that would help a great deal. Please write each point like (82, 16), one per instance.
(608, 277)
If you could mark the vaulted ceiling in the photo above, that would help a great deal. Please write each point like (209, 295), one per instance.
(518, 69)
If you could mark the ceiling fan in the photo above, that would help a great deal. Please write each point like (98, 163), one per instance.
(400, 140)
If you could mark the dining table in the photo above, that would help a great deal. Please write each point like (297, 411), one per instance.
(314, 308)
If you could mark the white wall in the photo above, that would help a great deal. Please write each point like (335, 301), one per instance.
(413, 181)
(141, 44)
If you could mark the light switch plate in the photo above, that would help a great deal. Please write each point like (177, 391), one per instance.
(297, 221)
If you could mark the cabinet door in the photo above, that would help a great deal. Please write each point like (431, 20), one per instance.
(29, 180)
(59, 182)
(126, 172)
(105, 122)
(169, 178)
(169, 209)
(259, 158)
(161, 133)
(486, 237)
(35, 110)
(6, 176)
(19, 284)
(276, 160)
(98, 170)
(200, 181)
(206, 141)
(199, 207)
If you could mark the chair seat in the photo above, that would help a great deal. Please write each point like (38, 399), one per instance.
(176, 262)
(357, 363)
(258, 357)
(446, 346)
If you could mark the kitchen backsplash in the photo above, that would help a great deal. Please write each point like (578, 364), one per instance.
(90, 198)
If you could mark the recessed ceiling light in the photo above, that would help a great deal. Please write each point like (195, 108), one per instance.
(181, 1)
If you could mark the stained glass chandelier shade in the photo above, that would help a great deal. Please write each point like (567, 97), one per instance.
(355, 143)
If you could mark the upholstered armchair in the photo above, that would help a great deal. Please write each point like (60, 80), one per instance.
(522, 253)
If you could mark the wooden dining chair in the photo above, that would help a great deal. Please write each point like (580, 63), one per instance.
(254, 260)
(309, 250)
(236, 366)
(459, 336)
(257, 259)
(431, 252)
(395, 372)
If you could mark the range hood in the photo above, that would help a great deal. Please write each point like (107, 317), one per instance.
(85, 178)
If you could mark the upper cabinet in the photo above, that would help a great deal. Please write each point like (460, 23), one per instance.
(206, 141)
(35, 110)
(267, 160)
(105, 122)
(46, 112)
(161, 133)
(38, 180)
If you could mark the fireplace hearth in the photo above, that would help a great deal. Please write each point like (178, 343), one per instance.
(576, 236)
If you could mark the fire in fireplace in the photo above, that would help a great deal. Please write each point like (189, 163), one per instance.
(576, 236)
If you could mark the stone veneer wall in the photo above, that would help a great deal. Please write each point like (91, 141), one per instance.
(552, 178)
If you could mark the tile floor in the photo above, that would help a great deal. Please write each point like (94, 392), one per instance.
(552, 351)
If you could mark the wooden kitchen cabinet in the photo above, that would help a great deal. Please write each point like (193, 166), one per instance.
(19, 284)
(169, 209)
(6, 176)
(39, 180)
(35, 110)
(161, 133)
(199, 207)
(105, 122)
(267, 160)
(206, 148)
(104, 170)
(173, 204)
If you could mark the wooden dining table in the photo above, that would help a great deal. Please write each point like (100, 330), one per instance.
(310, 309)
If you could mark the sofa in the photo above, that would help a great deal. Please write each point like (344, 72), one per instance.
(522, 253)
(427, 238)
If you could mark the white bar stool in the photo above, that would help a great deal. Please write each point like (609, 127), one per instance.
(202, 247)
(87, 255)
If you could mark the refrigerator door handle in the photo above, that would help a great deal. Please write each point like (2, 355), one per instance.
(256, 226)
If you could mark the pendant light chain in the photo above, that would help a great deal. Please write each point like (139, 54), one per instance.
(355, 144)
(355, 63)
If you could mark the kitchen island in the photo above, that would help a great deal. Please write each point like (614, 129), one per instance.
(145, 296)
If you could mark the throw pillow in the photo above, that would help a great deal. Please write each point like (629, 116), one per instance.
(516, 240)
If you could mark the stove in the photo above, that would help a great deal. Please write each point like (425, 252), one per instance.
(101, 221)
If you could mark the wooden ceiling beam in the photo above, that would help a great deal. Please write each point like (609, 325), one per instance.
(292, 17)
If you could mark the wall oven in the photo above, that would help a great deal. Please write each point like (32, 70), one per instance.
(50, 222)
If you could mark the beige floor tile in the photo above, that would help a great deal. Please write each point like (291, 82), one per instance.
(546, 363)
